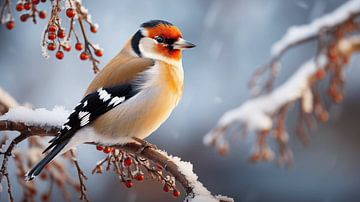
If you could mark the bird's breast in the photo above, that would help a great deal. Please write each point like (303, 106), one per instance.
(145, 112)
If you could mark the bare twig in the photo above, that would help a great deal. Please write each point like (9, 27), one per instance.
(81, 175)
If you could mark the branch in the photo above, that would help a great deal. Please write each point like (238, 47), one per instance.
(338, 23)
(181, 171)
(265, 114)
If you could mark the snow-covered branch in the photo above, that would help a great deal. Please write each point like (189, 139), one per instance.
(335, 24)
(298, 34)
(41, 122)
(266, 113)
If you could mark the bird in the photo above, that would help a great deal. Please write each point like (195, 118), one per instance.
(130, 97)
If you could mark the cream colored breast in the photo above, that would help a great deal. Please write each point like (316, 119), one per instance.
(145, 112)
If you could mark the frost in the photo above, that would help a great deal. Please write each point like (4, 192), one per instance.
(298, 33)
(44, 51)
(96, 25)
(55, 117)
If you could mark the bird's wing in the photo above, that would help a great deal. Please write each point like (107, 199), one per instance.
(91, 107)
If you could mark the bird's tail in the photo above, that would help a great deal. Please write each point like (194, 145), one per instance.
(48, 158)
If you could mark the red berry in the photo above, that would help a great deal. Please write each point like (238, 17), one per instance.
(320, 74)
(61, 34)
(324, 116)
(45, 197)
(70, 12)
(139, 177)
(19, 7)
(176, 193)
(27, 6)
(107, 150)
(42, 14)
(43, 176)
(166, 188)
(10, 24)
(78, 46)
(52, 28)
(128, 162)
(35, 2)
(51, 46)
(60, 55)
(99, 147)
(52, 36)
(84, 56)
(99, 53)
(67, 48)
(93, 29)
(129, 183)
(338, 98)
(24, 17)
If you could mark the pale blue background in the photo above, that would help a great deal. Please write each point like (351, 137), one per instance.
(233, 38)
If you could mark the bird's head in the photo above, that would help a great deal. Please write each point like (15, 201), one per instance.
(160, 40)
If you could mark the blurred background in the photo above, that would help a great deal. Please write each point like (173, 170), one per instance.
(233, 37)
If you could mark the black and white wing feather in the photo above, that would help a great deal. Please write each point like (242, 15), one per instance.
(91, 107)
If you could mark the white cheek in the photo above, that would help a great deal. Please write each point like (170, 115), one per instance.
(147, 49)
(146, 46)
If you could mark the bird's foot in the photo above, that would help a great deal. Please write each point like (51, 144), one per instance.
(145, 144)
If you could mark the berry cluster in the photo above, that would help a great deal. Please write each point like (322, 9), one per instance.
(56, 37)
(130, 167)
(30, 9)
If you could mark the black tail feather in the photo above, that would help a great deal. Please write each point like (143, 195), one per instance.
(47, 159)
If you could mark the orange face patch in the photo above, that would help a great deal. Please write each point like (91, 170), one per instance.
(164, 50)
(168, 32)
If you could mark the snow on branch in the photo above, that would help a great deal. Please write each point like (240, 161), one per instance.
(265, 114)
(336, 24)
(129, 161)
(40, 117)
(301, 33)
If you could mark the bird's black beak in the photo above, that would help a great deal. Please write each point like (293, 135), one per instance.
(183, 44)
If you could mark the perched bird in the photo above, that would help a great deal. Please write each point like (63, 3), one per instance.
(131, 97)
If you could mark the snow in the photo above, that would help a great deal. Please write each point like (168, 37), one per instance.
(201, 194)
(256, 113)
(55, 117)
(298, 33)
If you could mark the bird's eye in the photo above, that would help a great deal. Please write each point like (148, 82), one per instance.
(160, 39)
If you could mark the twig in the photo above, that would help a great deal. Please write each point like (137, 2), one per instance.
(11, 198)
(82, 177)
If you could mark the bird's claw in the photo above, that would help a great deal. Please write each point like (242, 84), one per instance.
(145, 145)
